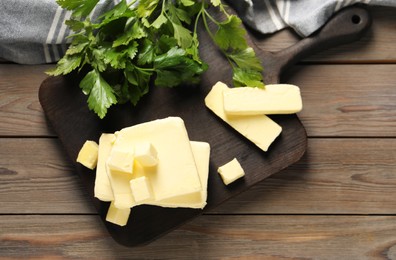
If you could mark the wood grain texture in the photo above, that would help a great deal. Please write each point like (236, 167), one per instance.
(208, 237)
(347, 100)
(20, 111)
(338, 202)
(335, 176)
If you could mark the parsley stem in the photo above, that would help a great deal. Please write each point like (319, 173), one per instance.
(205, 14)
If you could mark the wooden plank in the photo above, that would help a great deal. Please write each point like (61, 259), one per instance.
(20, 110)
(36, 177)
(338, 101)
(347, 100)
(336, 176)
(207, 237)
(376, 46)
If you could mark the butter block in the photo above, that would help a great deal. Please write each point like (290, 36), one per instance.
(88, 155)
(121, 160)
(274, 99)
(259, 129)
(146, 154)
(118, 216)
(176, 173)
(141, 189)
(201, 151)
(102, 189)
(231, 171)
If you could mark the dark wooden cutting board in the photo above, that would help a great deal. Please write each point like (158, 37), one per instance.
(66, 109)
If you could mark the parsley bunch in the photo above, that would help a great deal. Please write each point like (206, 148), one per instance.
(135, 42)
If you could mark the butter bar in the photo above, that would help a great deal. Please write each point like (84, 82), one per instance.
(259, 129)
(273, 99)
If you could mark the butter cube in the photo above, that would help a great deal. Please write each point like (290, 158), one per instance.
(118, 216)
(102, 189)
(273, 99)
(88, 155)
(141, 190)
(259, 129)
(121, 160)
(119, 182)
(231, 171)
(146, 154)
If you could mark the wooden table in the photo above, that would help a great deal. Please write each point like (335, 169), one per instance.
(338, 202)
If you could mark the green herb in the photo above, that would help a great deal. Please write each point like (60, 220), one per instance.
(133, 43)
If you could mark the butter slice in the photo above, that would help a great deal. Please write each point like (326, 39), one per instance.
(231, 171)
(176, 173)
(121, 160)
(201, 151)
(88, 155)
(273, 99)
(118, 216)
(146, 154)
(102, 189)
(259, 129)
(141, 189)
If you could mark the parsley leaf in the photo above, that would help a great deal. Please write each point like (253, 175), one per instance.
(138, 41)
(246, 59)
(230, 34)
(80, 8)
(100, 93)
(247, 77)
(65, 65)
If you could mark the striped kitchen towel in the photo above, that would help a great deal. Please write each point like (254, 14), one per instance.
(33, 32)
(303, 16)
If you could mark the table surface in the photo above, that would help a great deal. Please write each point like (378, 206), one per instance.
(337, 202)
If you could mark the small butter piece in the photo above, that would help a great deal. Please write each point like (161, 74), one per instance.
(88, 155)
(146, 154)
(259, 129)
(273, 99)
(231, 171)
(141, 190)
(118, 216)
(102, 189)
(121, 160)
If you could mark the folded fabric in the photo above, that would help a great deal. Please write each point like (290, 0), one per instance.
(303, 16)
(34, 32)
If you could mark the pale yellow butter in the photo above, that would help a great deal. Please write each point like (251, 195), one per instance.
(119, 181)
(259, 129)
(102, 189)
(118, 216)
(176, 172)
(146, 154)
(231, 171)
(201, 151)
(273, 99)
(88, 155)
(121, 160)
(141, 189)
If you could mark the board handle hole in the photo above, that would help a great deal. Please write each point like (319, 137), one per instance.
(356, 19)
